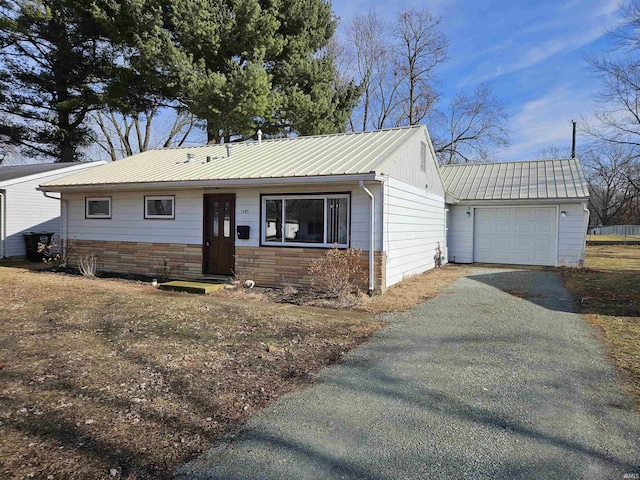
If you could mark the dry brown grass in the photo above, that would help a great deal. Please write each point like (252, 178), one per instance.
(613, 239)
(412, 291)
(110, 376)
(398, 298)
(608, 293)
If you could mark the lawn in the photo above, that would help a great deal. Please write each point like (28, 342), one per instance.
(600, 239)
(608, 293)
(117, 379)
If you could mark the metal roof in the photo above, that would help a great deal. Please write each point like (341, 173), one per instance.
(539, 179)
(18, 171)
(323, 155)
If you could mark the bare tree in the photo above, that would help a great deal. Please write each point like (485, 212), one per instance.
(553, 152)
(611, 172)
(370, 56)
(613, 163)
(121, 135)
(472, 126)
(394, 64)
(617, 119)
(420, 49)
(369, 60)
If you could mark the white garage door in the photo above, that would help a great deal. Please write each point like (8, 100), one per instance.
(518, 236)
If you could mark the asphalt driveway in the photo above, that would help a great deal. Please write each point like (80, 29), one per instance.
(496, 378)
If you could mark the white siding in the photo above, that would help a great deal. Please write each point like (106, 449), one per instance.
(127, 222)
(572, 230)
(414, 224)
(460, 234)
(28, 210)
(406, 168)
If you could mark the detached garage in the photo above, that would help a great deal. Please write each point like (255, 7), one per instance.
(518, 213)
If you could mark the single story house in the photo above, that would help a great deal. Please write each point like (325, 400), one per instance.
(266, 208)
(25, 209)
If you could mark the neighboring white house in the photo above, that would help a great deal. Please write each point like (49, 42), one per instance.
(267, 208)
(25, 209)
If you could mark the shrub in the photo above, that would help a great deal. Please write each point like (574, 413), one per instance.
(165, 270)
(244, 271)
(335, 274)
(88, 265)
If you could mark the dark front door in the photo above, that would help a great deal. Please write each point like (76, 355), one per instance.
(219, 234)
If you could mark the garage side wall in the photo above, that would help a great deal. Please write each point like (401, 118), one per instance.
(414, 227)
(572, 230)
(460, 234)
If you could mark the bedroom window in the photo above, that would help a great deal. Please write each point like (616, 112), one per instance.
(97, 207)
(159, 206)
(305, 220)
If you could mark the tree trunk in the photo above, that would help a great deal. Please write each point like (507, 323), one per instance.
(213, 134)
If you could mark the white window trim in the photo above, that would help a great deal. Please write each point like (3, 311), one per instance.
(147, 216)
(325, 197)
(96, 199)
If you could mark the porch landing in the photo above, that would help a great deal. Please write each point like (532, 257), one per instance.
(191, 287)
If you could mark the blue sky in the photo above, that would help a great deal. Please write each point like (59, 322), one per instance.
(533, 52)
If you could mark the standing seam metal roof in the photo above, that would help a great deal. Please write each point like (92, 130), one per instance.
(539, 179)
(336, 154)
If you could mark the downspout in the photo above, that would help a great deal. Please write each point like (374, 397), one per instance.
(2, 215)
(64, 209)
(584, 246)
(372, 238)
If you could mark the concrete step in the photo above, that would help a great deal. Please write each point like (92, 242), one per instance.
(191, 287)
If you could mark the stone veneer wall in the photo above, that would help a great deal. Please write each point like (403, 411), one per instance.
(267, 266)
(273, 266)
(140, 258)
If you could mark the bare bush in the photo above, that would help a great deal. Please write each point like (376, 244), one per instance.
(244, 270)
(165, 270)
(88, 265)
(335, 274)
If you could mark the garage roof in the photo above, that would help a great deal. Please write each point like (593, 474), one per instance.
(322, 155)
(540, 179)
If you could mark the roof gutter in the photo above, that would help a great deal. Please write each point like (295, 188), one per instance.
(233, 182)
(531, 201)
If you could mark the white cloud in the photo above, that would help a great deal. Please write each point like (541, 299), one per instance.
(540, 53)
(564, 32)
(546, 122)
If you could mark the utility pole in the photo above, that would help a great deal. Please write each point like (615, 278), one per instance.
(573, 140)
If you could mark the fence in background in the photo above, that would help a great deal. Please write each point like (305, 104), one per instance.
(621, 230)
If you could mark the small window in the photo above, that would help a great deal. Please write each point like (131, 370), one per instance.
(299, 220)
(97, 207)
(423, 157)
(159, 206)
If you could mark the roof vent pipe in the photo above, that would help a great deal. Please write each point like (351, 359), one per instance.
(190, 157)
(259, 137)
(228, 145)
